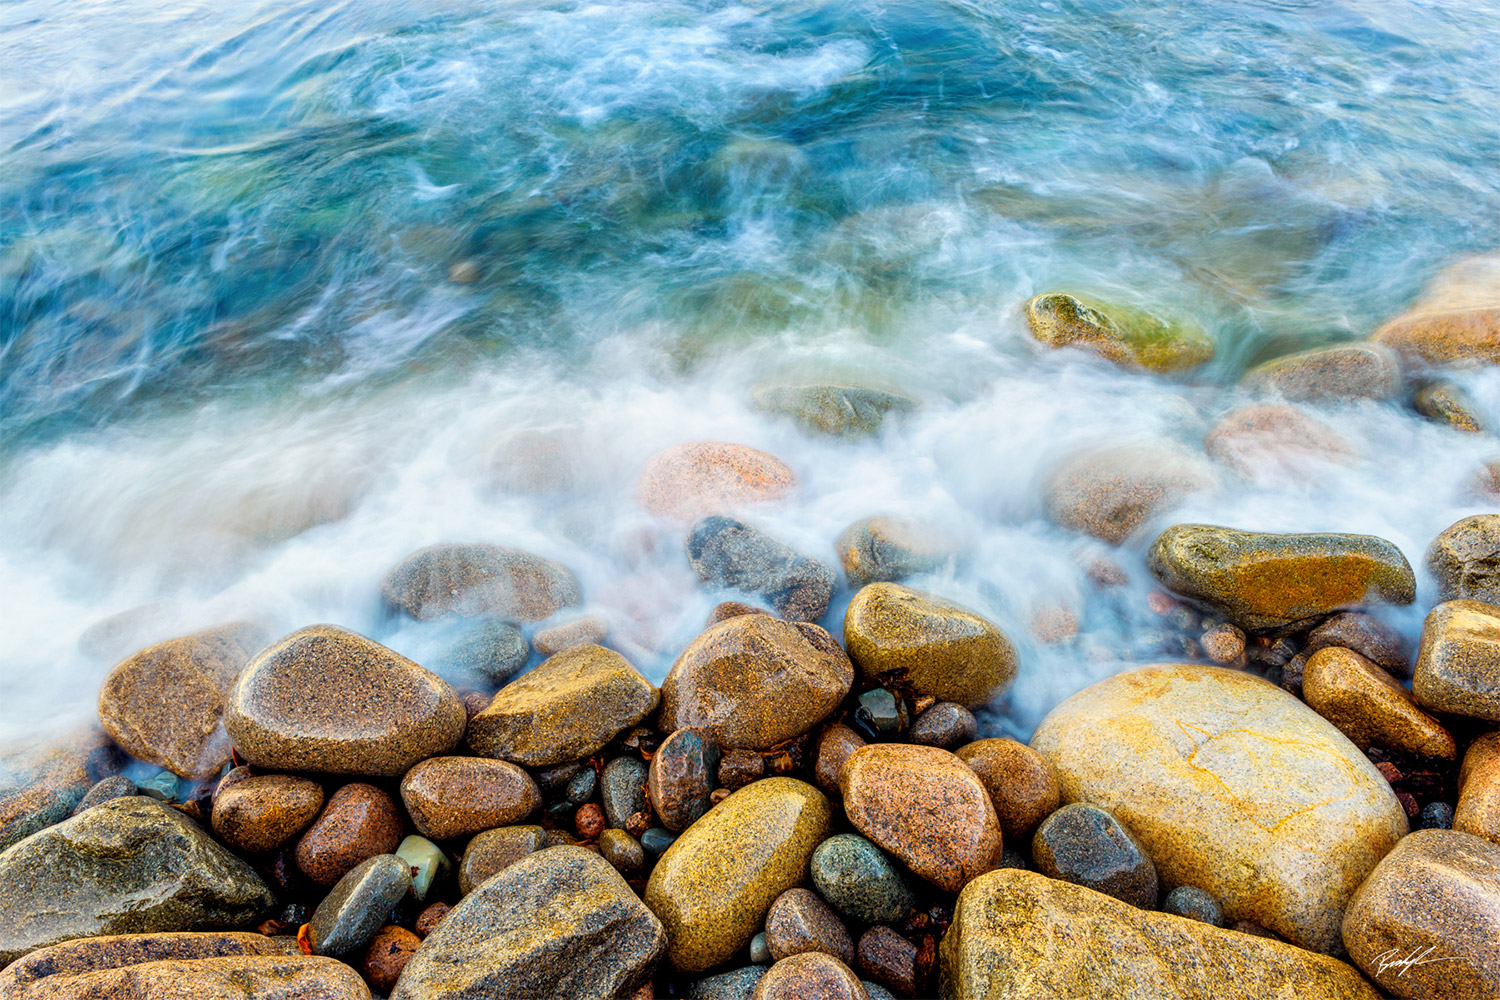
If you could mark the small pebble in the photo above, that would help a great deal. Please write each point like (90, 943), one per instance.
(946, 724)
(589, 821)
(798, 921)
(163, 786)
(874, 991)
(888, 958)
(740, 767)
(760, 949)
(1088, 846)
(637, 824)
(681, 777)
(1436, 816)
(429, 865)
(1161, 603)
(463, 272)
(737, 984)
(1053, 625)
(1223, 643)
(581, 788)
(622, 789)
(833, 747)
(389, 951)
(732, 609)
(622, 850)
(881, 715)
(359, 822)
(114, 787)
(859, 881)
(474, 702)
(656, 840)
(718, 795)
(495, 850)
(358, 906)
(428, 919)
(1195, 904)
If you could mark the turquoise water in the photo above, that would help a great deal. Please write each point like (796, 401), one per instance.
(277, 280)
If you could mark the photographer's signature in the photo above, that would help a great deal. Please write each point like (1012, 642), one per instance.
(1394, 959)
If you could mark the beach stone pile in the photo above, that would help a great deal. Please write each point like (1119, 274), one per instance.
(1296, 801)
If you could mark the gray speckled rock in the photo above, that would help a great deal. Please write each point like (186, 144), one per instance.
(489, 655)
(859, 881)
(358, 905)
(1465, 559)
(41, 785)
(472, 580)
(130, 865)
(729, 553)
(1088, 846)
(560, 923)
(328, 700)
(1268, 582)
(622, 789)
(836, 410)
(737, 984)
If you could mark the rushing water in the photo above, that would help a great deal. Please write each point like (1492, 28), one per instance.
(285, 285)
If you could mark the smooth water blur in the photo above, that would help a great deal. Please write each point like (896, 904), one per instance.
(285, 287)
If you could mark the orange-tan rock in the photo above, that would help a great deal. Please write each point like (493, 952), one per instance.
(1423, 926)
(1478, 810)
(1458, 661)
(1126, 337)
(1370, 706)
(1456, 320)
(924, 806)
(688, 481)
(1022, 786)
(1340, 373)
(1017, 935)
(264, 811)
(1234, 786)
(1110, 492)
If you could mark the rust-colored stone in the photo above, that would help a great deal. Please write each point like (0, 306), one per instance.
(1370, 706)
(449, 797)
(687, 481)
(262, 812)
(1021, 784)
(385, 958)
(359, 822)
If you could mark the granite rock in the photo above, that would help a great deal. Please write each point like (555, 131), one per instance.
(449, 797)
(479, 580)
(1458, 661)
(687, 481)
(725, 552)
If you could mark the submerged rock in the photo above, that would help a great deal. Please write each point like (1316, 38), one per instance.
(687, 481)
(1335, 374)
(1268, 582)
(889, 548)
(1233, 786)
(1465, 559)
(1276, 443)
(944, 649)
(1127, 337)
(1018, 935)
(1109, 493)
(1456, 320)
(328, 700)
(130, 865)
(753, 681)
(488, 656)
(560, 924)
(567, 708)
(1446, 403)
(473, 580)
(835, 410)
(164, 705)
(729, 553)
(42, 785)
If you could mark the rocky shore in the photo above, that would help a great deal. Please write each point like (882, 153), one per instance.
(1296, 801)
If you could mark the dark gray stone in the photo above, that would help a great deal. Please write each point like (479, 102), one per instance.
(859, 881)
(622, 789)
(946, 724)
(116, 786)
(738, 984)
(560, 923)
(1086, 845)
(1195, 904)
(127, 866)
(489, 655)
(729, 553)
(359, 905)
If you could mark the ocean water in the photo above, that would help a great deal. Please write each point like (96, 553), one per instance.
(285, 288)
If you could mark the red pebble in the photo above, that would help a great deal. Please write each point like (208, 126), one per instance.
(428, 919)
(1390, 772)
(589, 820)
(1409, 803)
(387, 955)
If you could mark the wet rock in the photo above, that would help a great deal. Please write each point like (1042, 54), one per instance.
(835, 410)
(495, 850)
(426, 862)
(358, 906)
(566, 709)
(1223, 643)
(1233, 786)
(1458, 662)
(359, 822)
(729, 553)
(731, 609)
(507, 936)
(1436, 816)
(116, 786)
(127, 866)
(1465, 559)
(1456, 320)
(924, 806)
(622, 850)
(798, 921)
(1478, 811)
(488, 656)
(1335, 374)
(738, 984)
(713, 886)
(808, 975)
(656, 840)
(1370, 706)
(262, 812)
(1425, 923)
(945, 650)
(41, 784)
(428, 919)
(946, 724)
(1446, 403)
(886, 548)
(386, 957)
(859, 881)
(251, 977)
(479, 580)
(328, 700)
(1365, 635)
(1109, 493)
(589, 821)
(889, 958)
(1018, 935)
(834, 745)
(1127, 337)
(622, 789)
(164, 705)
(449, 797)
(163, 786)
(1195, 904)
(1087, 846)
(880, 715)
(1270, 582)
(740, 767)
(589, 630)
(1276, 443)
(687, 481)
(754, 681)
(681, 778)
